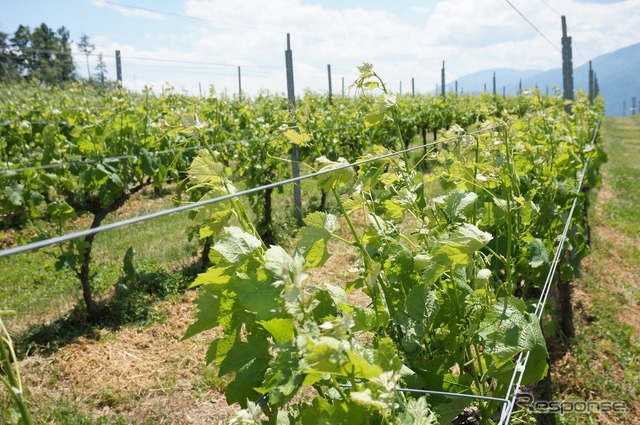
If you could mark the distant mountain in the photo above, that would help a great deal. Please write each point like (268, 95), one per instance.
(617, 74)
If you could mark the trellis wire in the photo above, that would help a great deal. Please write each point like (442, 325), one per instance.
(6, 171)
(70, 236)
(521, 362)
(523, 358)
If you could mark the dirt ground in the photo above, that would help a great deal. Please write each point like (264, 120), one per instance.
(141, 374)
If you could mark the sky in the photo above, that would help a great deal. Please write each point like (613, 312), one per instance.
(193, 45)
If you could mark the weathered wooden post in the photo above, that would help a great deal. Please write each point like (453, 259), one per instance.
(329, 77)
(591, 84)
(443, 82)
(494, 83)
(239, 84)
(567, 66)
(295, 152)
(118, 67)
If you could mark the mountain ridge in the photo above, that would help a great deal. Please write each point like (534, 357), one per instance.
(616, 73)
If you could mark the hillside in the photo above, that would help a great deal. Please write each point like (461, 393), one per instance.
(617, 74)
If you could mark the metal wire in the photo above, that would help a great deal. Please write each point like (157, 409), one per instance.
(442, 393)
(6, 171)
(70, 236)
(523, 358)
(533, 26)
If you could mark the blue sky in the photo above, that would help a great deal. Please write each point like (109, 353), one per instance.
(195, 43)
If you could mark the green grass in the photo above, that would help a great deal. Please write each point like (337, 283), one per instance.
(70, 412)
(41, 294)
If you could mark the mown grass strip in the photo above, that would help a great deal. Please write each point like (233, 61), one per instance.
(603, 361)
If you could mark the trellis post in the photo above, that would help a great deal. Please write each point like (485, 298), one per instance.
(295, 152)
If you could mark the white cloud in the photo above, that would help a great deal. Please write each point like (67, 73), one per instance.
(128, 11)
(468, 34)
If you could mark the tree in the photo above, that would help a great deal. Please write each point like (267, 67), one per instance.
(20, 44)
(43, 55)
(101, 67)
(86, 48)
(8, 66)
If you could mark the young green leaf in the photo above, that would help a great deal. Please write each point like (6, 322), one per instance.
(235, 245)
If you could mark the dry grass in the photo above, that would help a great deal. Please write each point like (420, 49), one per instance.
(139, 374)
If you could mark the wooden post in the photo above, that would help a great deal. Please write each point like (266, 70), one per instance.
(443, 82)
(400, 92)
(494, 83)
(597, 87)
(624, 108)
(504, 92)
(342, 86)
(413, 87)
(200, 89)
(329, 77)
(564, 288)
(456, 87)
(567, 65)
(591, 84)
(520, 87)
(295, 153)
(118, 67)
(239, 84)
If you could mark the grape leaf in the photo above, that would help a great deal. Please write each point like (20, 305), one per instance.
(258, 297)
(279, 262)
(339, 177)
(283, 378)
(417, 412)
(312, 245)
(204, 168)
(14, 193)
(336, 412)
(207, 316)
(537, 253)
(299, 138)
(235, 245)
(214, 275)
(507, 329)
(416, 316)
(322, 220)
(280, 329)
(455, 203)
(247, 378)
(243, 353)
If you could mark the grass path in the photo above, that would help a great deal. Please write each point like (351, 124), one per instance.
(603, 361)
